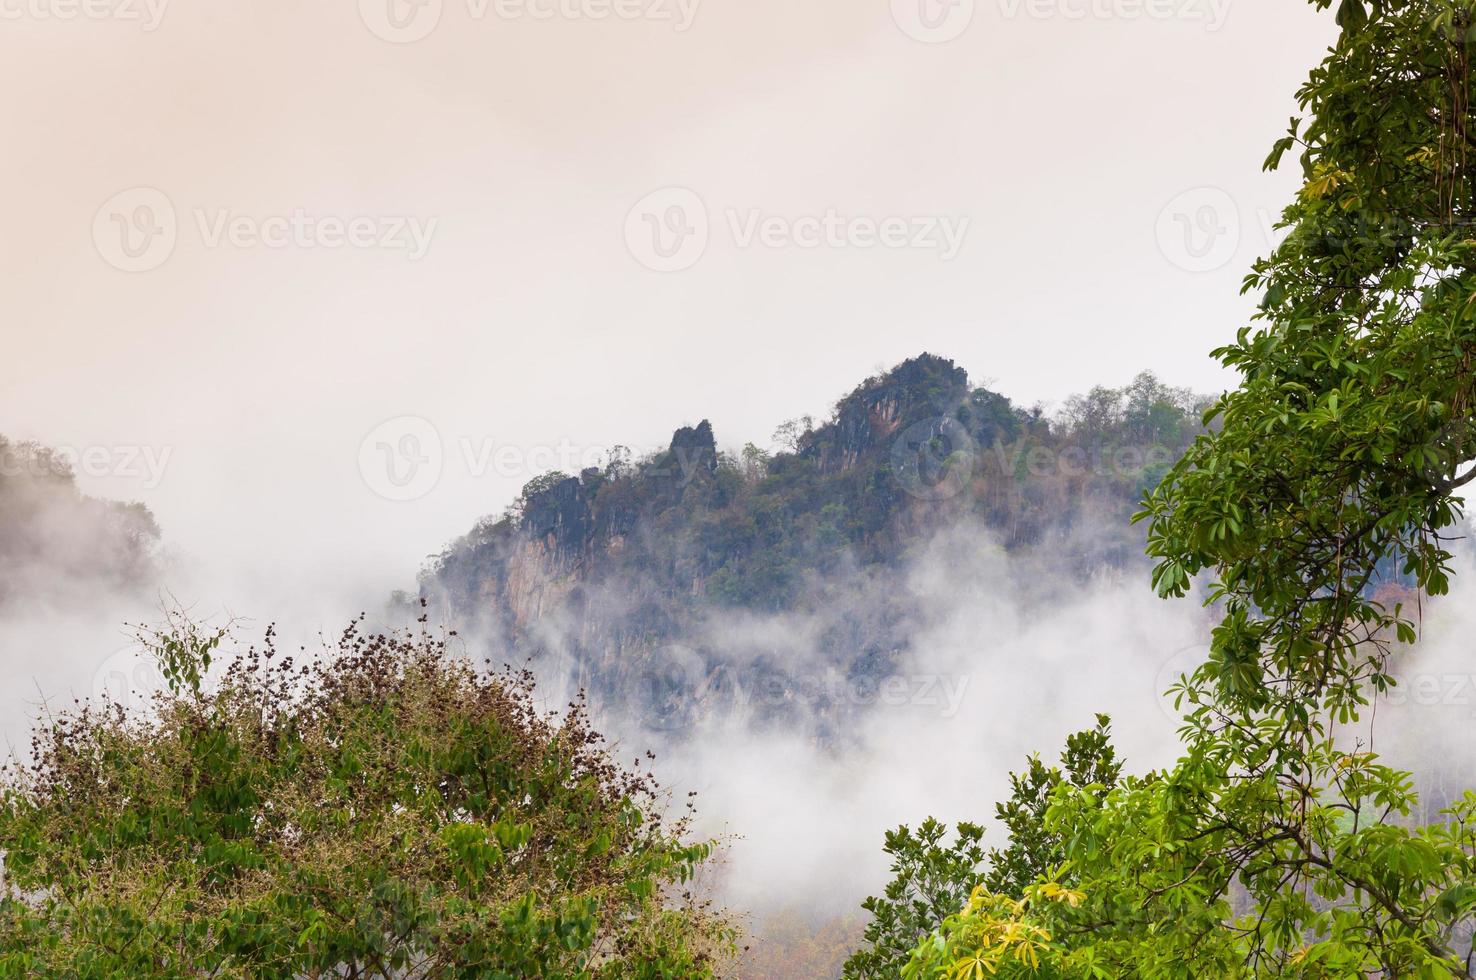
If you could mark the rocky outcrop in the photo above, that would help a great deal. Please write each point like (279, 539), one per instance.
(559, 517)
(694, 447)
(609, 572)
(868, 420)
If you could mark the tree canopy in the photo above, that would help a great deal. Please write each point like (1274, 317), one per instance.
(1280, 844)
(385, 811)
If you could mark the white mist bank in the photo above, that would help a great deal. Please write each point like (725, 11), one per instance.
(1003, 663)
(808, 819)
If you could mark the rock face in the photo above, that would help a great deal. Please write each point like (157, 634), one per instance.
(628, 577)
(560, 518)
(925, 387)
(694, 447)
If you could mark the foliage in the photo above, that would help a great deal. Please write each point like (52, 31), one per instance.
(1279, 844)
(932, 880)
(386, 811)
(1034, 850)
(995, 936)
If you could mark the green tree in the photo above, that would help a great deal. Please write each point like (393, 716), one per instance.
(387, 811)
(1279, 844)
(933, 877)
(1035, 850)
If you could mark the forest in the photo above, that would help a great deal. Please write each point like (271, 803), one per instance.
(405, 805)
(644, 558)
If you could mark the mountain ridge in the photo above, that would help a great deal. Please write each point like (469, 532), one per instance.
(622, 568)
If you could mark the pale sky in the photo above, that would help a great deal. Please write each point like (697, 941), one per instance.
(1020, 172)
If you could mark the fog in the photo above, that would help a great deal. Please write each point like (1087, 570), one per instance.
(309, 421)
(995, 673)
(257, 370)
(1005, 654)
(1001, 663)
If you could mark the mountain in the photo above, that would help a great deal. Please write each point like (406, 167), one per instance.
(661, 584)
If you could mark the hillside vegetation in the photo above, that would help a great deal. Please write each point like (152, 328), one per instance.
(628, 571)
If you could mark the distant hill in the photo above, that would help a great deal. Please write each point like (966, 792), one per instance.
(58, 546)
(627, 576)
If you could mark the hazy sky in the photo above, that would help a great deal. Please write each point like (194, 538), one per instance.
(241, 237)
